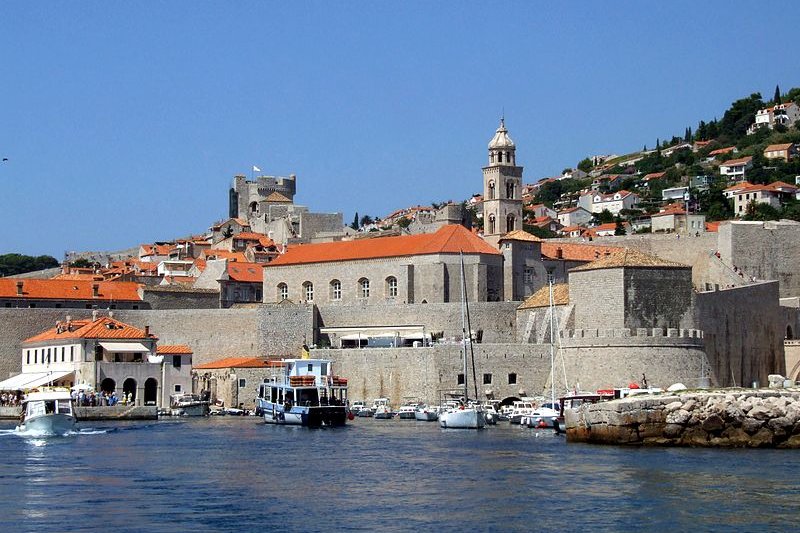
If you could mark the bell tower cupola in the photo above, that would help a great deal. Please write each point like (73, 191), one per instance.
(502, 188)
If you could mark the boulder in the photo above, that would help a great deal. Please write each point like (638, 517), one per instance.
(673, 430)
(751, 425)
(690, 404)
(776, 381)
(694, 437)
(678, 417)
(762, 438)
(737, 437)
(713, 424)
(791, 442)
(674, 406)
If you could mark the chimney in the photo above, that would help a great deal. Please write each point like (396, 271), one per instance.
(19, 288)
(147, 331)
(559, 253)
(94, 315)
(95, 290)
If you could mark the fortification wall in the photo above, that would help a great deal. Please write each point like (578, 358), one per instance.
(176, 298)
(766, 250)
(743, 331)
(497, 320)
(423, 372)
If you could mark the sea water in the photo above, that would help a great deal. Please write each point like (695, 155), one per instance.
(239, 474)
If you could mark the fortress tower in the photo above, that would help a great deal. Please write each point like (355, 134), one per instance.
(502, 188)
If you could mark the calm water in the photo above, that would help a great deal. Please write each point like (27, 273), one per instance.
(237, 474)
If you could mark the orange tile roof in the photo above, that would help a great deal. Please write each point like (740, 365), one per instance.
(541, 298)
(247, 272)
(654, 175)
(174, 349)
(235, 362)
(738, 186)
(69, 289)
(576, 252)
(450, 239)
(250, 236)
(102, 328)
(520, 235)
(628, 258)
(671, 209)
(712, 227)
(778, 147)
(719, 151)
(277, 197)
(91, 277)
(735, 162)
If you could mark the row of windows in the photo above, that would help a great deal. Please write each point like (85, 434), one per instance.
(50, 355)
(487, 379)
(335, 289)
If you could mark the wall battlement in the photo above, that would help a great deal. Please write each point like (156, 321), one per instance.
(632, 336)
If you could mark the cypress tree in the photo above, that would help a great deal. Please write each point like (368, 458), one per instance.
(777, 97)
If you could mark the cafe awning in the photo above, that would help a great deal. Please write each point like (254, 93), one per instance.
(135, 347)
(29, 380)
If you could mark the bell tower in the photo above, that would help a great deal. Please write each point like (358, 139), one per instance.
(502, 188)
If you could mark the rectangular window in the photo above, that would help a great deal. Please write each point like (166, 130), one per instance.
(71, 354)
(242, 383)
(460, 380)
(35, 356)
(310, 367)
(512, 378)
(177, 388)
(29, 358)
(487, 379)
(63, 353)
(176, 362)
(527, 275)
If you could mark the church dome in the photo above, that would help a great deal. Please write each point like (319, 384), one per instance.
(501, 138)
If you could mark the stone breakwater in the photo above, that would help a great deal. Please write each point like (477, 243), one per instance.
(733, 418)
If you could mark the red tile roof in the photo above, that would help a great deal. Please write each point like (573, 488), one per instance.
(712, 227)
(69, 289)
(671, 209)
(174, 349)
(576, 252)
(258, 237)
(235, 362)
(102, 328)
(719, 151)
(450, 239)
(248, 272)
(654, 175)
(778, 147)
(736, 162)
(219, 253)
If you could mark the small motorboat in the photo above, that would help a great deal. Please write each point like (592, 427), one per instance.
(408, 411)
(426, 413)
(47, 412)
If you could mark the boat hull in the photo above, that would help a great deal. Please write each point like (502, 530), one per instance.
(426, 416)
(328, 416)
(406, 415)
(462, 419)
(51, 424)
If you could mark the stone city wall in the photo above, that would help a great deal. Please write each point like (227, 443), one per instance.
(734, 418)
(743, 330)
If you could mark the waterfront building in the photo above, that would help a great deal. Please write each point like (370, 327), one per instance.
(66, 293)
(102, 354)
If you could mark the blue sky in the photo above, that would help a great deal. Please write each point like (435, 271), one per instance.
(125, 122)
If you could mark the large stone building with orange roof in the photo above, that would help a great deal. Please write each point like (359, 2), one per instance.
(408, 269)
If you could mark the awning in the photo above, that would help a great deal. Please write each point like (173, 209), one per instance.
(124, 347)
(29, 380)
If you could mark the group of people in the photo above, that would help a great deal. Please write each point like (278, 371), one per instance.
(10, 398)
(104, 398)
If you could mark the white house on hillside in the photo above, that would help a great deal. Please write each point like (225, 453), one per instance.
(735, 169)
(784, 114)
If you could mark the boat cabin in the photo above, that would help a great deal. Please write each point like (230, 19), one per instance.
(306, 382)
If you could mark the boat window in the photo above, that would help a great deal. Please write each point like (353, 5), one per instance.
(310, 367)
(64, 407)
(324, 369)
(50, 406)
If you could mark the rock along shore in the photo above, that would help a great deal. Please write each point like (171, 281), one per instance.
(734, 418)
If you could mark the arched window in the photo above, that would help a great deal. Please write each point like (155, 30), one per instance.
(491, 191)
(363, 288)
(283, 292)
(391, 287)
(789, 332)
(499, 157)
(510, 190)
(491, 225)
(308, 291)
(253, 208)
(336, 290)
(510, 220)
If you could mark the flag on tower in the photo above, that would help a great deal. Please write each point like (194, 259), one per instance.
(256, 169)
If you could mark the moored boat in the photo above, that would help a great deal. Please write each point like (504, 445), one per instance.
(47, 412)
(426, 413)
(303, 392)
(381, 409)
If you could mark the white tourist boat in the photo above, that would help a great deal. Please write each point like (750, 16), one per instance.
(408, 410)
(465, 415)
(303, 392)
(47, 412)
(184, 404)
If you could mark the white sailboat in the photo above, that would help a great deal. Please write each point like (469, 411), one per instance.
(465, 415)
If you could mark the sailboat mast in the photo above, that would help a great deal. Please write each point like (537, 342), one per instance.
(464, 324)
(552, 343)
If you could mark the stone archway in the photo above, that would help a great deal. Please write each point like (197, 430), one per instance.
(509, 401)
(129, 388)
(151, 391)
(789, 332)
(108, 385)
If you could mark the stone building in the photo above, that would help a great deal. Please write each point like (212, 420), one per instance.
(232, 381)
(102, 354)
(502, 188)
(422, 268)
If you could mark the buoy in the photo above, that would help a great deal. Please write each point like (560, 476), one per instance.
(542, 424)
(350, 416)
(633, 385)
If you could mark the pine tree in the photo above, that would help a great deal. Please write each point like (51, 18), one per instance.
(777, 97)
